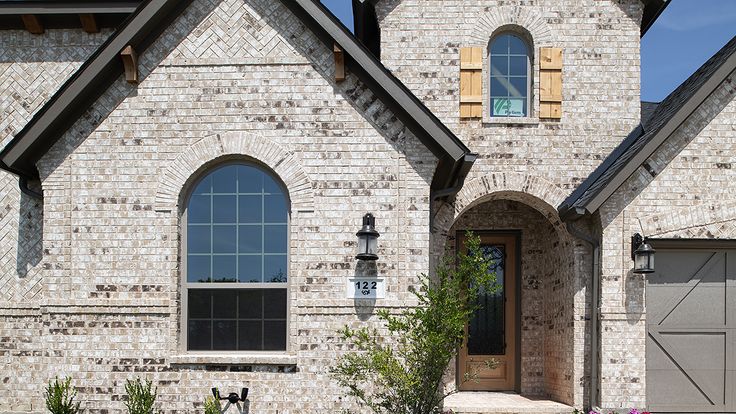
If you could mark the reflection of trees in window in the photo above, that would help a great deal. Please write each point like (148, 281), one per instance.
(236, 261)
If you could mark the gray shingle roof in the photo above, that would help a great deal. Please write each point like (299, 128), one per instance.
(657, 125)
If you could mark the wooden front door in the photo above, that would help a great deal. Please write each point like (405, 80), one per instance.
(487, 359)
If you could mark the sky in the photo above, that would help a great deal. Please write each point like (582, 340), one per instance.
(686, 35)
(683, 38)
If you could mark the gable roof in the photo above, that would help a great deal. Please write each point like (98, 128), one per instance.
(647, 137)
(152, 17)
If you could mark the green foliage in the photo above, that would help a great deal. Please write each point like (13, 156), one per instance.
(211, 406)
(402, 373)
(60, 397)
(141, 396)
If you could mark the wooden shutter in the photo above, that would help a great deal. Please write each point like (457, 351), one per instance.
(550, 82)
(471, 95)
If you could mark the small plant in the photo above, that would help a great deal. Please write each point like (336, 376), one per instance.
(211, 406)
(60, 397)
(141, 396)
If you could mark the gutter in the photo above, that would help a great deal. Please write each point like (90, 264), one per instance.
(594, 385)
(23, 182)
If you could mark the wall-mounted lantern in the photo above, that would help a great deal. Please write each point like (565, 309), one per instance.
(642, 254)
(368, 239)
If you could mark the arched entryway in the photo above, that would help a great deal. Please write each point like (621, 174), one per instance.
(540, 285)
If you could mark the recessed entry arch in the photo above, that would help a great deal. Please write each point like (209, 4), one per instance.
(538, 250)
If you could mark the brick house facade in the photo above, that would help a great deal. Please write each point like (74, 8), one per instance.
(96, 252)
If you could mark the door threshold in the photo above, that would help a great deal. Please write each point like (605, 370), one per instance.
(502, 402)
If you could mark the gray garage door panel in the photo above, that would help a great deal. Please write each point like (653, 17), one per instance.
(691, 321)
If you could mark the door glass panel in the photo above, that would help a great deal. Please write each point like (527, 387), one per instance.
(486, 330)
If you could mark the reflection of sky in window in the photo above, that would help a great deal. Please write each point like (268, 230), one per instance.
(509, 75)
(237, 228)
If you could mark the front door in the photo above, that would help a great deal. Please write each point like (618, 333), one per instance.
(487, 359)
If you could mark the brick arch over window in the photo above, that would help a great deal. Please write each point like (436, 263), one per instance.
(533, 191)
(502, 17)
(206, 150)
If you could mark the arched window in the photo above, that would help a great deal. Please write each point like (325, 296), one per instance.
(510, 80)
(236, 261)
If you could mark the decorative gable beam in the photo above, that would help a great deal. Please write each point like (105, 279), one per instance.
(89, 23)
(33, 23)
(339, 63)
(130, 62)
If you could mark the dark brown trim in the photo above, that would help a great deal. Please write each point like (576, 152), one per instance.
(692, 244)
(682, 114)
(570, 210)
(455, 157)
(63, 7)
(652, 10)
(153, 16)
(85, 86)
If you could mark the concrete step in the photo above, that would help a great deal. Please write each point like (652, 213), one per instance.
(471, 402)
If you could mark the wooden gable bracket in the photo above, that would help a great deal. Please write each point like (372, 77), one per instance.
(130, 62)
(339, 63)
(89, 23)
(32, 23)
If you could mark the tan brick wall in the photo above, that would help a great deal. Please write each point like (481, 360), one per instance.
(601, 68)
(230, 79)
(247, 68)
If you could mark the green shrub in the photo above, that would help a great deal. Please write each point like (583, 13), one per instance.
(141, 396)
(402, 374)
(211, 406)
(60, 397)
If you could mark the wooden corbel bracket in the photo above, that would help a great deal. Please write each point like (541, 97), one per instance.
(339, 63)
(130, 62)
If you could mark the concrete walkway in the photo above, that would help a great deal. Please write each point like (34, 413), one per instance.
(502, 403)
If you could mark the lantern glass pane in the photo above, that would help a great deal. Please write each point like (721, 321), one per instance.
(641, 261)
(362, 244)
(372, 245)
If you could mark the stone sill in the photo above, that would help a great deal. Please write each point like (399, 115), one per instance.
(233, 359)
(510, 121)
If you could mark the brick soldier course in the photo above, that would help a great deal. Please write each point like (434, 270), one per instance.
(91, 252)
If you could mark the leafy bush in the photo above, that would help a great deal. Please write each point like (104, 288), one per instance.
(141, 396)
(402, 374)
(211, 406)
(60, 397)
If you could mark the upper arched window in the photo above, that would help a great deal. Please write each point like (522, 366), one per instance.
(510, 80)
(236, 261)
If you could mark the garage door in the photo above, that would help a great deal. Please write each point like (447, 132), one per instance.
(691, 322)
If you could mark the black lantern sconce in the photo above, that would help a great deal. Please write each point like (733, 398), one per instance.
(368, 239)
(642, 254)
